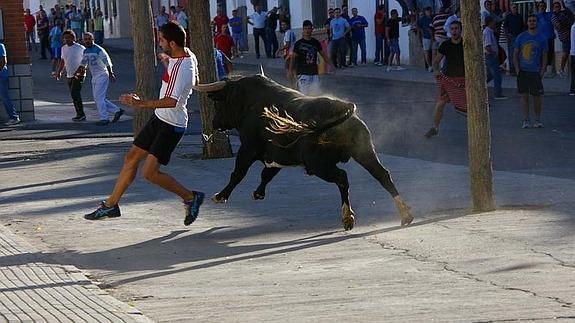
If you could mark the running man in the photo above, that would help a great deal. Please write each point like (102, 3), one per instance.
(158, 139)
(451, 80)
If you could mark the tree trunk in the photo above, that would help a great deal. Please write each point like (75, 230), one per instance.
(478, 127)
(216, 144)
(144, 59)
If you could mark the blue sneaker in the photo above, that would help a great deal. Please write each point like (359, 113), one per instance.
(193, 207)
(104, 212)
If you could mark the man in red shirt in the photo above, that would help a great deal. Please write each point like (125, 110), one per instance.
(225, 42)
(380, 21)
(220, 20)
(29, 24)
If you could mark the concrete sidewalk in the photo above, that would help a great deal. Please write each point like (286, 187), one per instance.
(32, 290)
(411, 74)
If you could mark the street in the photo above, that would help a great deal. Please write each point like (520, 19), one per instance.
(286, 258)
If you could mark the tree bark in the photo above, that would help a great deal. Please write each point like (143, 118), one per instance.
(144, 59)
(478, 126)
(216, 144)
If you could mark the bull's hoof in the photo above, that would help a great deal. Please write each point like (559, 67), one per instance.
(348, 222)
(258, 196)
(347, 217)
(218, 199)
(404, 213)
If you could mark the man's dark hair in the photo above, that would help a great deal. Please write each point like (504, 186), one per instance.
(173, 31)
(307, 23)
(381, 7)
(394, 11)
(488, 20)
(457, 22)
(532, 16)
(336, 9)
(427, 8)
(69, 32)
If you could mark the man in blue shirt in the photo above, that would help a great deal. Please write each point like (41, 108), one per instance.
(530, 58)
(425, 28)
(545, 28)
(238, 32)
(4, 85)
(339, 27)
(358, 24)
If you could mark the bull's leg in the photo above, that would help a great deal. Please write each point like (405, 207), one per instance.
(267, 175)
(244, 160)
(370, 162)
(333, 174)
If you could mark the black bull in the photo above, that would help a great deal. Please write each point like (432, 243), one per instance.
(282, 127)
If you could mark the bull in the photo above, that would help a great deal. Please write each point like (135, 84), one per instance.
(281, 127)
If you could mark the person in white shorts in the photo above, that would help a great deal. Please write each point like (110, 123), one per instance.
(303, 63)
(98, 62)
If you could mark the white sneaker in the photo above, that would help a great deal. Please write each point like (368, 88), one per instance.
(430, 69)
(526, 124)
(399, 68)
(537, 124)
(12, 122)
(562, 74)
(388, 68)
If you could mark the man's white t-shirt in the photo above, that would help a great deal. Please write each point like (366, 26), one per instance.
(72, 56)
(177, 83)
(96, 59)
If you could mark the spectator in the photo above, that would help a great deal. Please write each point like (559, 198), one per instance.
(56, 43)
(161, 19)
(258, 20)
(182, 18)
(339, 27)
(393, 38)
(43, 29)
(439, 34)
(72, 54)
(380, 22)
(237, 24)
(4, 86)
(99, 27)
(488, 6)
(173, 14)
(29, 24)
(326, 24)
(425, 31)
(303, 68)
(288, 42)
(221, 19)
(513, 26)
(530, 58)
(490, 49)
(358, 24)
(562, 20)
(572, 54)
(271, 26)
(223, 64)
(77, 20)
(345, 15)
(451, 79)
(545, 28)
(225, 42)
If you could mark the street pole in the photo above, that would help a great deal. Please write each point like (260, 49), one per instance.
(478, 127)
(216, 144)
(144, 59)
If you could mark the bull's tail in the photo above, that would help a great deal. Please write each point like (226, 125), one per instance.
(281, 125)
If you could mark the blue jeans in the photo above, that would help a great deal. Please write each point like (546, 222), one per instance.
(5, 98)
(354, 44)
(494, 73)
(99, 37)
(378, 49)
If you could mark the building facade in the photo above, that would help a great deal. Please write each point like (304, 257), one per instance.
(20, 72)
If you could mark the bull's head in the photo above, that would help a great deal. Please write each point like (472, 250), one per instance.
(218, 92)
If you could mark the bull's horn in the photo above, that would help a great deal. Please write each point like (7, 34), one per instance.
(262, 70)
(210, 87)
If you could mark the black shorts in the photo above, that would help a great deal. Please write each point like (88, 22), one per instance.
(159, 139)
(529, 82)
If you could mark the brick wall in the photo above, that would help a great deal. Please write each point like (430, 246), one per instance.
(18, 60)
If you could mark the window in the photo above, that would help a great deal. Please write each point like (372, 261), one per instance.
(319, 12)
